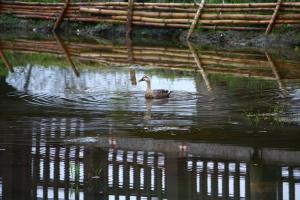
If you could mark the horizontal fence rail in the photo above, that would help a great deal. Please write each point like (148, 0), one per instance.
(241, 16)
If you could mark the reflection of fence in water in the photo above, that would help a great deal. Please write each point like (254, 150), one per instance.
(63, 171)
(136, 174)
(241, 64)
(218, 179)
(290, 183)
(57, 172)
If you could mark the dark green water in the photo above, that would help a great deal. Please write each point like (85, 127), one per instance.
(75, 124)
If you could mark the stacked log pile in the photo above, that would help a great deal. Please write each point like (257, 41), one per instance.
(235, 63)
(242, 16)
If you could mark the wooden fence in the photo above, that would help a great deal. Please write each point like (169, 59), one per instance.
(242, 16)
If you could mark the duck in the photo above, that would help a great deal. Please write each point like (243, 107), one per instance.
(154, 94)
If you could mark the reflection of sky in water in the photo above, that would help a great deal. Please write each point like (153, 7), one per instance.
(62, 81)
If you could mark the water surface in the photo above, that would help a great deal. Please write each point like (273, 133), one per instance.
(75, 123)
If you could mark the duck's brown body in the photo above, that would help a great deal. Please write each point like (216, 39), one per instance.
(154, 94)
(157, 94)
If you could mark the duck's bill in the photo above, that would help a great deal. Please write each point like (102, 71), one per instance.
(141, 80)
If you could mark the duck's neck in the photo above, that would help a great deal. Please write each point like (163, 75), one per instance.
(148, 85)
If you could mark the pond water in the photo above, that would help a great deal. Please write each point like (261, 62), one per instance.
(75, 124)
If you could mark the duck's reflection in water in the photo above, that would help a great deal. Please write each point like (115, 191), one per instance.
(153, 102)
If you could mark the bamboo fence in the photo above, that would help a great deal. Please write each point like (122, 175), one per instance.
(242, 16)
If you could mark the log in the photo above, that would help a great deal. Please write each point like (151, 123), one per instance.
(62, 14)
(65, 50)
(129, 18)
(200, 67)
(270, 26)
(175, 15)
(188, 5)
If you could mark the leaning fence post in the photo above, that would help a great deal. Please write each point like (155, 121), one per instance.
(60, 17)
(273, 18)
(129, 18)
(196, 19)
(65, 50)
(199, 65)
(5, 61)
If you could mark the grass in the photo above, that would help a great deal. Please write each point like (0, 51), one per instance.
(3, 70)
(272, 116)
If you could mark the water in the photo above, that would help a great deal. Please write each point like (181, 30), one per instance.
(75, 123)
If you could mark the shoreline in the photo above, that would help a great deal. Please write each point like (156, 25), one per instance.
(283, 37)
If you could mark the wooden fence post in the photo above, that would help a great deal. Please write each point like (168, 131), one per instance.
(61, 16)
(196, 19)
(66, 52)
(199, 65)
(129, 18)
(273, 18)
(276, 74)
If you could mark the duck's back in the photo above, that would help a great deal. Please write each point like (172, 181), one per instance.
(158, 94)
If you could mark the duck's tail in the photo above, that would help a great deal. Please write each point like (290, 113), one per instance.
(169, 93)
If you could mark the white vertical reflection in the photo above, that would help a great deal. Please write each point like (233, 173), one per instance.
(242, 187)
(221, 167)
(111, 197)
(152, 179)
(297, 190)
(61, 170)
(198, 183)
(231, 186)
(53, 127)
(199, 166)
(121, 176)
(63, 127)
(50, 193)
(81, 195)
(163, 179)
(189, 165)
(110, 175)
(1, 188)
(72, 171)
(130, 156)
(243, 168)
(284, 172)
(161, 160)
(110, 154)
(285, 191)
(81, 172)
(122, 197)
(208, 184)
(296, 173)
(220, 185)
(231, 167)
(73, 126)
(51, 170)
(41, 169)
(142, 178)
(81, 152)
(120, 155)
(131, 177)
(61, 193)
(140, 157)
(39, 192)
(133, 198)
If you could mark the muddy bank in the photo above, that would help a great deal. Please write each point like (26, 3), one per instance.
(283, 37)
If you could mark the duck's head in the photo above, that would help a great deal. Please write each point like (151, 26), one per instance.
(145, 78)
